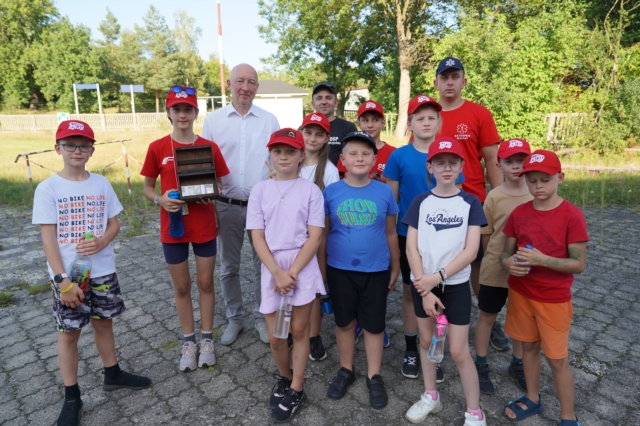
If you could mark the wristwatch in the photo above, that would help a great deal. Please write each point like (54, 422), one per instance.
(59, 277)
(155, 201)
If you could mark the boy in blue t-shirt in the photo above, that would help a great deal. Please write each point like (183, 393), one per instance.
(361, 269)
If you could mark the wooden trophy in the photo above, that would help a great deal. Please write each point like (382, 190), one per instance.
(196, 173)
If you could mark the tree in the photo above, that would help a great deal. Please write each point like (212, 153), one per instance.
(212, 75)
(329, 38)
(111, 56)
(161, 67)
(186, 34)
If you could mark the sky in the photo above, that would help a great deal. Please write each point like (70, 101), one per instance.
(240, 20)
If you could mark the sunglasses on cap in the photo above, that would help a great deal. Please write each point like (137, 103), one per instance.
(179, 89)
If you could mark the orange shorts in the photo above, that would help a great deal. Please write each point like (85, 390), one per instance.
(547, 323)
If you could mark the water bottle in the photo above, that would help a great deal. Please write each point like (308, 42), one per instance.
(176, 230)
(327, 306)
(518, 260)
(283, 316)
(81, 270)
(436, 350)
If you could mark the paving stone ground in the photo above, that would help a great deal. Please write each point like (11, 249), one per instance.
(604, 346)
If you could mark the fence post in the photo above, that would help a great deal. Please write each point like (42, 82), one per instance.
(26, 157)
(126, 167)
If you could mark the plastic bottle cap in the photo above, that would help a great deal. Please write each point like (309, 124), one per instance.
(88, 235)
(529, 247)
(174, 195)
(442, 319)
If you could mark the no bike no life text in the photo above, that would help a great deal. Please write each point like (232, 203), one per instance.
(357, 212)
(79, 215)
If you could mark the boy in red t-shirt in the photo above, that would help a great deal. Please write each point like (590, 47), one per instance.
(546, 244)
(198, 220)
(371, 121)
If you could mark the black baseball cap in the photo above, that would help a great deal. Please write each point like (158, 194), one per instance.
(359, 136)
(449, 63)
(324, 85)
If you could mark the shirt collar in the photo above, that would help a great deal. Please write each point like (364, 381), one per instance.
(253, 110)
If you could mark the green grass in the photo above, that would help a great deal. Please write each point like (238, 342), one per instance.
(603, 189)
(168, 344)
(38, 288)
(6, 299)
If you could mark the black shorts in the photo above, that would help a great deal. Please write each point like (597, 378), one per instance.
(175, 253)
(492, 299)
(405, 270)
(456, 300)
(480, 254)
(359, 295)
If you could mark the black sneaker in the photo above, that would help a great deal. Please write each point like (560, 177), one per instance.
(439, 374)
(70, 414)
(279, 389)
(340, 383)
(317, 352)
(126, 381)
(516, 371)
(486, 387)
(410, 367)
(499, 340)
(286, 410)
(377, 393)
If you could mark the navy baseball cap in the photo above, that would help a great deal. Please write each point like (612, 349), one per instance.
(449, 63)
(360, 136)
(324, 85)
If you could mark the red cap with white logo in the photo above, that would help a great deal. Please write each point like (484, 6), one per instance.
(370, 106)
(421, 100)
(542, 161)
(513, 147)
(317, 118)
(177, 96)
(74, 128)
(287, 136)
(445, 145)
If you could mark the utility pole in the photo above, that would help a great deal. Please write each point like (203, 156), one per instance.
(222, 79)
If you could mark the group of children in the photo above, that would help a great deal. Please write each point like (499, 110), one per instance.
(395, 212)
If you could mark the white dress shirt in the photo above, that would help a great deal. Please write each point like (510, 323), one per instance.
(243, 143)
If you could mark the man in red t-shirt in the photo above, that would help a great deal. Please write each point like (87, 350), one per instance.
(371, 120)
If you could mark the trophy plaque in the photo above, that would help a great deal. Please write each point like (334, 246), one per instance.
(195, 173)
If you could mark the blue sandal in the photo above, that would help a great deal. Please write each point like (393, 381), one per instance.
(521, 414)
(570, 422)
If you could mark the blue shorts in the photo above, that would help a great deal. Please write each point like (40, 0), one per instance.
(175, 253)
(102, 300)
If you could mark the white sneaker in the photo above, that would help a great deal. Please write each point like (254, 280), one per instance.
(421, 409)
(471, 420)
(207, 357)
(189, 357)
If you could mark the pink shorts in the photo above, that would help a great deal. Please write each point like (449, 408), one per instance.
(309, 282)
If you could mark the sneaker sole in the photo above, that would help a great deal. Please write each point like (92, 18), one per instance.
(423, 418)
(409, 376)
(111, 388)
(487, 393)
(438, 381)
(318, 359)
(499, 349)
(187, 369)
(205, 365)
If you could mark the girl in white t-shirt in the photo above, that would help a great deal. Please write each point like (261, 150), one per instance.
(317, 168)
(442, 240)
(289, 265)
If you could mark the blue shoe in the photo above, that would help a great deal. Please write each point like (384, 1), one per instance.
(570, 422)
(521, 413)
(358, 332)
(387, 342)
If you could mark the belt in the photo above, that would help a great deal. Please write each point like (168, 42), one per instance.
(226, 200)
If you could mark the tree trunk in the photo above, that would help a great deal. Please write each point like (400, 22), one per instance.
(404, 61)
(157, 102)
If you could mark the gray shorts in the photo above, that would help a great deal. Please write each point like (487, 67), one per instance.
(102, 300)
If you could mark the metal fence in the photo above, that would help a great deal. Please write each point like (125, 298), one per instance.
(138, 121)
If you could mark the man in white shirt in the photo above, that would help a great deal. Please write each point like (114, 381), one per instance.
(242, 131)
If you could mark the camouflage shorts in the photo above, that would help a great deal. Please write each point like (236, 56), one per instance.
(102, 300)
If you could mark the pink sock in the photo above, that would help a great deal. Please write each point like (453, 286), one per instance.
(433, 394)
(477, 413)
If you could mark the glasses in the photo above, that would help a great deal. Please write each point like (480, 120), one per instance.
(454, 165)
(72, 148)
(179, 89)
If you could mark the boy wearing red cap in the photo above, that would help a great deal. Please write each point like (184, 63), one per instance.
(289, 264)
(371, 120)
(198, 220)
(546, 244)
(492, 296)
(68, 206)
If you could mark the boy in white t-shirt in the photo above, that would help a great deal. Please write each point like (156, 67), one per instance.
(67, 206)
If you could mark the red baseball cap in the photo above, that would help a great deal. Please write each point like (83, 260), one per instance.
(513, 147)
(287, 136)
(445, 145)
(185, 96)
(74, 128)
(542, 161)
(370, 106)
(317, 118)
(420, 100)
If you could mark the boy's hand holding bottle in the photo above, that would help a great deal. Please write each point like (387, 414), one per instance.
(89, 246)
(531, 256)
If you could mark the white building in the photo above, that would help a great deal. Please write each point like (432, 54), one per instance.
(356, 97)
(282, 100)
